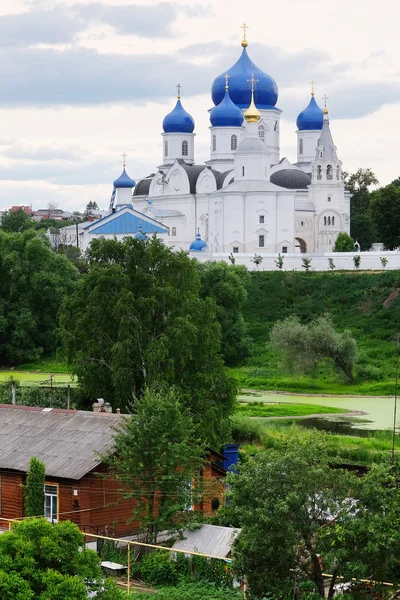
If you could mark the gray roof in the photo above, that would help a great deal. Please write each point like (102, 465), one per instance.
(209, 539)
(67, 441)
(162, 212)
(143, 186)
(250, 185)
(252, 144)
(292, 179)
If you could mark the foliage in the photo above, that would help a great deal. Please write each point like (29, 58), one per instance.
(257, 259)
(289, 497)
(246, 430)
(361, 224)
(363, 230)
(232, 259)
(365, 303)
(279, 262)
(33, 282)
(357, 261)
(306, 264)
(385, 210)
(40, 396)
(157, 457)
(157, 568)
(34, 488)
(226, 284)
(331, 264)
(302, 347)
(137, 320)
(344, 243)
(70, 251)
(91, 206)
(47, 562)
(16, 221)
(384, 262)
(192, 591)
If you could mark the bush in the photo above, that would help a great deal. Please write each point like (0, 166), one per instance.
(193, 591)
(157, 568)
(245, 430)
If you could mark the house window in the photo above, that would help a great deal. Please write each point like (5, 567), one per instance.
(242, 171)
(284, 249)
(261, 219)
(319, 172)
(51, 502)
(329, 172)
(261, 240)
(235, 249)
(233, 142)
(301, 146)
(261, 133)
(185, 148)
(214, 143)
(173, 231)
(166, 148)
(329, 198)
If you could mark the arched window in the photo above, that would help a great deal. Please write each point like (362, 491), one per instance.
(301, 146)
(329, 220)
(319, 172)
(233, 142)
(329, 198)
(324, 220)
(242, 171)
(261, 133)
(214, 143)
(185, 148)
(329, 172)
(173, 231)
(166, 148)
(338, 172)
(333, 220)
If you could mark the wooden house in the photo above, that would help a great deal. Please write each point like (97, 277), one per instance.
(78, 486)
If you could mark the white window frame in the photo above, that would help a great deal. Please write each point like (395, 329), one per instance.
(51, 501)
(261, 219)
(261, 238)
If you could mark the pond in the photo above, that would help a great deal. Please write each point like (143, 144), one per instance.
(379, 411)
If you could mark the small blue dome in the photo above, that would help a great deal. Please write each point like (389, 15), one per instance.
(124, 181)
(198, 245)
(265, 93)
(178, 120)
(310, 118)
(226, 114)
(139, 235)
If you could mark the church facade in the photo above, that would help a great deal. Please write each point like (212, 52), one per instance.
(246, 198)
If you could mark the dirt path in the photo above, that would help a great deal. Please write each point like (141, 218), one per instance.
(353, 413)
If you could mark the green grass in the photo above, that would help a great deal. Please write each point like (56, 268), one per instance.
(261, 409)
(47, 365)
(35, 379)
(356, 301)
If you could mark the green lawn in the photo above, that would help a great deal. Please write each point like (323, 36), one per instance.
(36, 379)
(283, 409)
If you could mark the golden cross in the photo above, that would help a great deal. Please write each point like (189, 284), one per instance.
(325, 99)
(124, 155)
(252, 80)
(312, 87)
(226, 81)
(244, 27)
(179, 90)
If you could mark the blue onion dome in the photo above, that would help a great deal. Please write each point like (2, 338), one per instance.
(265, 93)
(178, 120)
(310, 118)
(124, 181)
(226, 114)
(198, 245)
(140, 235)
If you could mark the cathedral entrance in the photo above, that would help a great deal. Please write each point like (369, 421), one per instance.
(300, 246)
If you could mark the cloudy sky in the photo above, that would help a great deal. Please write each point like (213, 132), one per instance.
(83, 81)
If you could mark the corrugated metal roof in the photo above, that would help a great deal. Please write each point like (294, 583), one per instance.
(68, 442)
(209, 539)
(126, 221)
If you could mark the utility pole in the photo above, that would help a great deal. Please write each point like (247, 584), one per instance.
(77, 234)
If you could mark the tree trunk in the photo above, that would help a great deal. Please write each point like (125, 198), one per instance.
(331, 591)
(318, 579)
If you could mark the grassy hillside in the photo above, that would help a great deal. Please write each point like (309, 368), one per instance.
(367, 303)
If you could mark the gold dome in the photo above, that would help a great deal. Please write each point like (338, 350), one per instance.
(252, 114)
(245, 43)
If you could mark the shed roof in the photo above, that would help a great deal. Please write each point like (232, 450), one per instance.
(69, 442)
(208, 539)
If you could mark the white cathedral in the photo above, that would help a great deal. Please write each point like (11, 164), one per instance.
(246, 198)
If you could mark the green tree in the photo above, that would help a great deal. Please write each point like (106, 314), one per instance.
(91, 207)
(257, 260)
(320, 518)
(306, 264)
(303, 346)
(137, 320)
(33, 282)
(384, 262)
(226, 284)
(34, 488)
(331, 264)
(49, 562)
(16, 221)
(158, 455)
(344, 243)
(357, 261)
(361, 224)
(279, 262)
(385, 210)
